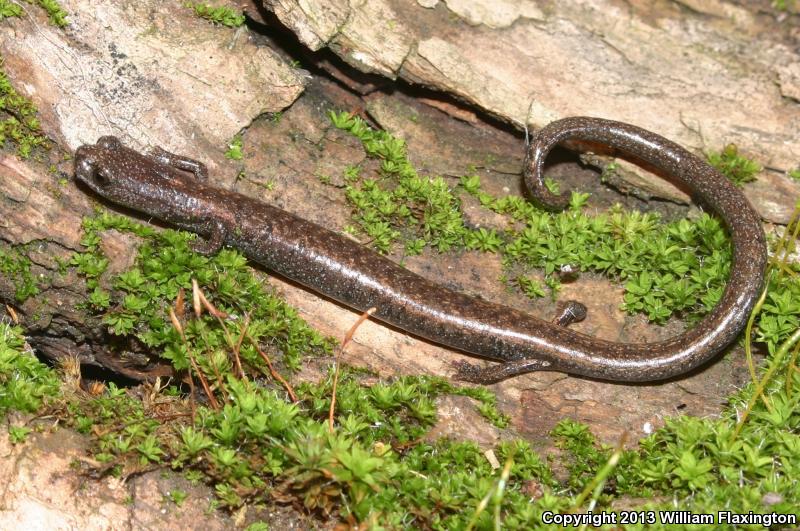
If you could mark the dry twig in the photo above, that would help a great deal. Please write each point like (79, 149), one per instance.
(347, 338)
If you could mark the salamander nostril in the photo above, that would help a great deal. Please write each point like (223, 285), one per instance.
(84, 168)
(84, 165)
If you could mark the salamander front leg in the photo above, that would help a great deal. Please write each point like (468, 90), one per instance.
(570, 312)
(212, 244)
(180, 162)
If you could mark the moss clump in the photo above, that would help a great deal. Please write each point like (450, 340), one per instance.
(19, 124)
(258, 446)
(9, 9)
(56, 14)
(17, 268)
(235, 149)
(166, 266)
(26, 384)
(403, 205)
(223, 15)
(731, 164)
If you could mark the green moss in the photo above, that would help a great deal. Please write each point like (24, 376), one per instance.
(138, 299)
(18, 434)
(224, 15)
(530, 287)
(734, 166)
(177, 496)
(9, 9)
(17, 267)
(26, 384)
(235, 148)
(783, 5)
(56, 14)
(19, 124)
(258, 442)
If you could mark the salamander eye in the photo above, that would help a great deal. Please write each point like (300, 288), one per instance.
(101, 177)
(109, 142)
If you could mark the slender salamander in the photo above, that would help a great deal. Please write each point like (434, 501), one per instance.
(160, 185)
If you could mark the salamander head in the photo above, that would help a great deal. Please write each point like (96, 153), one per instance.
(95, 165)
(116, 172)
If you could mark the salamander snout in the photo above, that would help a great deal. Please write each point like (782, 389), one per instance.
(84, 163)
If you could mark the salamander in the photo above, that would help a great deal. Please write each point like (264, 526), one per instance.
(174, 189)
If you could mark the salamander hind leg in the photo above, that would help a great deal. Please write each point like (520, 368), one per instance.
(468, 372)
(180, 162)
(568, 312)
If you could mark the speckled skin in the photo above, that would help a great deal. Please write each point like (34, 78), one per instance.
(342, 269)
